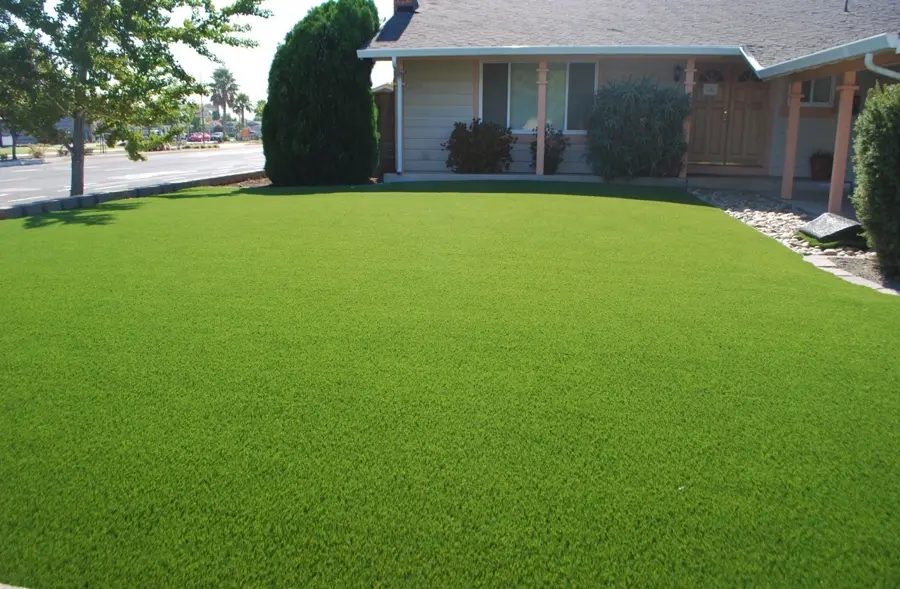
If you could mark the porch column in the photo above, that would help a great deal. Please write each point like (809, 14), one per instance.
(689, 72)
(398, 98)
(542, 116)
(790, 147)
(842, 142)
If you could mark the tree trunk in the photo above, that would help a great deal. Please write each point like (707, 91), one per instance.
(12, 134)
(77, 154)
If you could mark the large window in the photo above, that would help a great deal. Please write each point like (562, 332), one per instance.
(509, 95)
(818, 92)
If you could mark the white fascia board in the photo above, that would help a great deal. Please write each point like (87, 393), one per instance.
(688, 50)
(833, 55)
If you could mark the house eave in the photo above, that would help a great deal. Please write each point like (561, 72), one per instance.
(837, 54)
(840, 53)
(548, 50)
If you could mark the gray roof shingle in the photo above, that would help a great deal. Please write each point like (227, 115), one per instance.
(773, 31)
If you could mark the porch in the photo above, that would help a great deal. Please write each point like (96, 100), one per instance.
(744, 133)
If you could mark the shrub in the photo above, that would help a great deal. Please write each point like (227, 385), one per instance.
(3, 157)
(555, 144)
(88, 151)
(319, 121)
(37, 151)
(479, 148)
(636, 128)
(62, 151)
(876, 161)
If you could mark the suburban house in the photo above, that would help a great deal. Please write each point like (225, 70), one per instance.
(772, 81)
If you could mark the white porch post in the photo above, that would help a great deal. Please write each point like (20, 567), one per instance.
(542, 117)
(689, 72)
(398, 93)
(790, 148)
(842, 143)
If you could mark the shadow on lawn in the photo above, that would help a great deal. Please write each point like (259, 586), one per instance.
(103, 214)
(612, 190)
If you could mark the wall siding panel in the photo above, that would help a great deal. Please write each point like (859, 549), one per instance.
(437, 94)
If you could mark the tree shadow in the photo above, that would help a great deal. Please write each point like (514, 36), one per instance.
(102, 214)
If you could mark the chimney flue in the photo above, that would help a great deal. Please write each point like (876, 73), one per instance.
(405, 5)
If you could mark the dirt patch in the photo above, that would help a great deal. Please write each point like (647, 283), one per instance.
(865, 268)
(255, 183)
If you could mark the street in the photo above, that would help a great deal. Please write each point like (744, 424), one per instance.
(114, 171)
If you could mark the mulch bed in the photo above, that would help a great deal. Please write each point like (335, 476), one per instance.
(865, 268)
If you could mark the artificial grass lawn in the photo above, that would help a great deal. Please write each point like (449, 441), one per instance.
(439, 389)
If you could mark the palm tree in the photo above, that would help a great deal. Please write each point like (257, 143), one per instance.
(258, 109)
(242, 103)
(223, 89)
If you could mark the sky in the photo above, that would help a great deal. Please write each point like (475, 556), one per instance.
(251, 66)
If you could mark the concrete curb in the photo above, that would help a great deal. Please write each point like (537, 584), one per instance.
(68, 203)
(826, 264)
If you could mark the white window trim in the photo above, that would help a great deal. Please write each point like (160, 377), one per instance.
(810, 104)
(566, 130)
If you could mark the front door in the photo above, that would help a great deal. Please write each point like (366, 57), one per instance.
(710, 111)
(729, 107)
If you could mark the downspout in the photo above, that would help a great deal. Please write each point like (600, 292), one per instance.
(398, 77)
(870, 65)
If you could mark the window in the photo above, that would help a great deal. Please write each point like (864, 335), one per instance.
(817, 92)
(509, 95)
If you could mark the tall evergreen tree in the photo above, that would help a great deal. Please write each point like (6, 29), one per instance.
(319, 124)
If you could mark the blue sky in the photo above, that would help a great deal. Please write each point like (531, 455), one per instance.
(251, 66)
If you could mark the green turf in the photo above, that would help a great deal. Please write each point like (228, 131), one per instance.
(431, 389)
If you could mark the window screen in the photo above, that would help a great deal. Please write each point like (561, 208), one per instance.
(523, 96)
(556, 95)
(494, 92)
(581, 94)
(817, 91)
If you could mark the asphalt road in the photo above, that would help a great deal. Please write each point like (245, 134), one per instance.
(114, 171)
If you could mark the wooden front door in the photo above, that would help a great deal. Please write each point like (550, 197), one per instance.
(746, 119)
(710, 108)
(729, 110)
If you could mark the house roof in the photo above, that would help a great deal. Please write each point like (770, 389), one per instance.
(769, 32)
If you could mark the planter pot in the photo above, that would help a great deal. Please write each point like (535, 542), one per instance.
(820, 167)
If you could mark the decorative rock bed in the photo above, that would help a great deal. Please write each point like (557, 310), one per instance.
(779, 220)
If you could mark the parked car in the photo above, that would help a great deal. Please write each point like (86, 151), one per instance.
(199, 137)
(218, 137)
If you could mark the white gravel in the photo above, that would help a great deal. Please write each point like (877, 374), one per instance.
(777, 219)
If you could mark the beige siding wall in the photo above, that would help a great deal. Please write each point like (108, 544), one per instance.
(436, 95)
(815, 133)
(660, 69)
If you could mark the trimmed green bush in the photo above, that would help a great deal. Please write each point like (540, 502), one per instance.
(636, 129)
(319, 124)
(479, 148)
(877, 164)
(555, 144)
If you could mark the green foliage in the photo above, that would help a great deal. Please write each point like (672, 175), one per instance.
(3, 157)
(555, 144)
(636, 129)
(319, 123)
(479, 148)
(37, 150)
(112, 61)
(258, 109)
(877, 164)
(242, 104)
(223, 89)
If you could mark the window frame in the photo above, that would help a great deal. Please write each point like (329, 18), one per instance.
(809, 103)
(509, 63)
